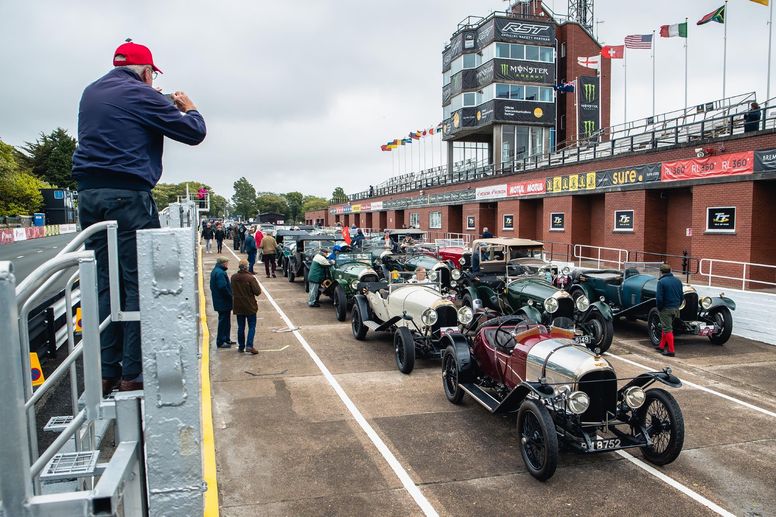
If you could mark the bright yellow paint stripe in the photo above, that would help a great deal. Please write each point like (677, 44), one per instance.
(208, 440)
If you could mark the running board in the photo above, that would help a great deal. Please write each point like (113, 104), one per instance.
(371, 325)
(481, 396)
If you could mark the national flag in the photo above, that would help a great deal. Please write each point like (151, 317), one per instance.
(406, 141)
(761, 2)
(675, 30)
(593, 62)
(638, 41)
(439, 127)
(431, 131)
(425, 132)
(613, 51)
(717, 15)
(385, 147)
(414, 135)
(346, 235)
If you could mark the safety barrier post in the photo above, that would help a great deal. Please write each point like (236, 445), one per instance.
(170, 330)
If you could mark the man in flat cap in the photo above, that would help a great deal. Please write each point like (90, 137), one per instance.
(122, 122)
(669, 297)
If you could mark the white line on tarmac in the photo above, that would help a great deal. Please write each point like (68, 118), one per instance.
(20, 256)
(702, 388)
(397, 468)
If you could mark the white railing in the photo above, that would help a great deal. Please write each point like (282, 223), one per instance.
(707, 266)
(466, 238)
(596, 255)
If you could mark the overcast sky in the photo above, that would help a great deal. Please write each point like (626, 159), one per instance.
(299, 95)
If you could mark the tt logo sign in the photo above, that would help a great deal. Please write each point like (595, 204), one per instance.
(625, 219)
(530, 29)
(557, 220)
(721, 218)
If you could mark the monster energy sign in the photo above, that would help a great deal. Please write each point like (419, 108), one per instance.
(527, 71)
(588, 106)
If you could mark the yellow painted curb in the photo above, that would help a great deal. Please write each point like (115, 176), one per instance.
(208, 440)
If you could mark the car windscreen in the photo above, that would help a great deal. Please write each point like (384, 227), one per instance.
(347, 258)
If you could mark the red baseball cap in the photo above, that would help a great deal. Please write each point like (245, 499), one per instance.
(134, 54)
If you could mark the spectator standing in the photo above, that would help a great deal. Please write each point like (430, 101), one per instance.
(207, 234)
(250, 249)
(752, 118)
(219, 234)
(245, 289)
(243, 231)
(669, 297)
(269, 248)
(122, 122)
(236, 237)
(358, 240)
(221, 293)
(486, 234)
(319, 270)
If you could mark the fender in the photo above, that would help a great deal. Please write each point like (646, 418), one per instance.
(531, 313)
(601, 307)
(511, 402)
(722, 301)
(363, 306)
(588, 292)
(466, 364)
(475, 296)
(645, 379)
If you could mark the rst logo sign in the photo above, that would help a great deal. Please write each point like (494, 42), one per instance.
(525, 30)
(721, 219)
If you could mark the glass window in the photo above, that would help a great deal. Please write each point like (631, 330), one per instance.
(414, 219)
(456, 66)
(516, 92)
(488, 53)
(446, 78)
(532, 53)
(546, 54)
(531, 93)
(470, 60)
(502, 50)
(488, 93)
(507, 143)
(435, 220)
(545, 94)
(537, 140)
(521, 142)
(469, 99)
(517, 52)
(502, 91)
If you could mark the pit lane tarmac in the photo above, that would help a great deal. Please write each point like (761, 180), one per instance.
(287, 443)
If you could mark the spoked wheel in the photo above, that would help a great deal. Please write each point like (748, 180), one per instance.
(602, 330)
(724, 320)
(340, 303)
(290, 272)
(654, 327)
(450, 376)
(357, 324)
(538, 439)
(404, 346)
(662, 418)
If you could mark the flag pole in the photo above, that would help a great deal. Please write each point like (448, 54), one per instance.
(770, 39)
(654, 51)
(724, 51)
(625, 80)
(686, 38)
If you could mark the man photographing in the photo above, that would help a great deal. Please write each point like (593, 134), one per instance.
(122, 122)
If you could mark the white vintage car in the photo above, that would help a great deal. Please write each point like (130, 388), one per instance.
(416, 312)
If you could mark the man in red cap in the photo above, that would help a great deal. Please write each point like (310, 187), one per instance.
(122, 122)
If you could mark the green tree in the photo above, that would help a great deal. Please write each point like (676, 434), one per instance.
(312, 203)
(269, 202)
(218, 205)
(295, 201)
(50, 158)
(339, 196)
(244, 198)
(19, 190)
(166, 193)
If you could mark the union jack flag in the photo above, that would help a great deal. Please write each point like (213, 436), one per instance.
(639, 41)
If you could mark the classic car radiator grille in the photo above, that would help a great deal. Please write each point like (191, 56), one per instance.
(690, 311)
(565, 309)
(447, 318)
(601, 387)
(444, 276)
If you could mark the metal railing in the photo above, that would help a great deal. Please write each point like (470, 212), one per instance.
(600, 255)
(707, 267)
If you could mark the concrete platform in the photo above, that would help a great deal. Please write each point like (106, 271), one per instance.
(287, 444)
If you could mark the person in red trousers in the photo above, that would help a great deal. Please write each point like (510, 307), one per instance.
(669, 296)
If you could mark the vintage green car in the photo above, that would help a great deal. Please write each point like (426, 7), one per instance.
(348, 270)
(286, 240)
(510, 276)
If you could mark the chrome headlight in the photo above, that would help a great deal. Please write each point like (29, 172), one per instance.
(453, 283)
(566, 270)
(354, 284)
(429, 317)
(462, 261)
(551, 305)
(578, 402)
(433, 276)
(465, 315)
(706, 302)
(582, 303)
(456, 274)
(634, 397)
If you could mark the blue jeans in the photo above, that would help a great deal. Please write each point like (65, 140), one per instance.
(133, 210)
(207, 245)
(242, 343)
(224, 327)
(251, 261)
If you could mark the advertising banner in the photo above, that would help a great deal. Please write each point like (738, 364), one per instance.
(35, 232)
(447, 59)
(491, 192)
(588, 106)
(765, 161)
(486, 34)
(525, 31)
(525, 71)
(377, 205)
(524, 111)
(6, 236)
(623, 220)
(456, 47)
(709, 167)
(721, 219)
(526, 188)
(571, 183)
(484, 74)
(453, 197)
(485, 114)
(447, 94)
(19, 234)
(628, 175)
(67, 228)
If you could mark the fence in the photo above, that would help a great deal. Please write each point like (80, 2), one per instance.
(611, 256)
(737, 274)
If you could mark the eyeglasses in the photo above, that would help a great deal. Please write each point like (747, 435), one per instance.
(154, 73)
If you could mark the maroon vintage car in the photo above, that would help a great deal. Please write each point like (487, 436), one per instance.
(561, 392)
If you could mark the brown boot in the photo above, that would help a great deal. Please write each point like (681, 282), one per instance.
(108, 385)
(130, 385)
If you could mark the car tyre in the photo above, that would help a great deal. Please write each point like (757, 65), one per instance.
(538, 439)
(290, 272)
(340, 303)
(654, 327)
(357, 324)
(724, 318)
(404, 347)
(451, 372)
(603, 331)
(662, 417)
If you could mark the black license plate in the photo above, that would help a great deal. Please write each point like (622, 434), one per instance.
(584, 340)
(604, 444)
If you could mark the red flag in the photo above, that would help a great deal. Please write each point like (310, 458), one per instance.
(425, 132)
(431, 131)
(346, 235)
(613, 51)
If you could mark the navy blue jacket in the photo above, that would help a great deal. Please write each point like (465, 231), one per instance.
(670, 292)
(220, 289)
(122, 123)
(250, 244)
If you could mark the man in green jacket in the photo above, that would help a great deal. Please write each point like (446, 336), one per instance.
(319, 270)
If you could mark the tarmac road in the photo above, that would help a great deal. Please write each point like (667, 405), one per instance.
(27, 255)
(326, 425)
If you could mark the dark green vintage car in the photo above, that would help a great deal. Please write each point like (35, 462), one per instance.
(348, 270)
(524, 286)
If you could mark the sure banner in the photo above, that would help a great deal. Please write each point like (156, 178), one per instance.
(709, 167)
(628, 175)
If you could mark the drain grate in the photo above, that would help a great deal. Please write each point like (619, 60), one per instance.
(57, 424)
(71, 465)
